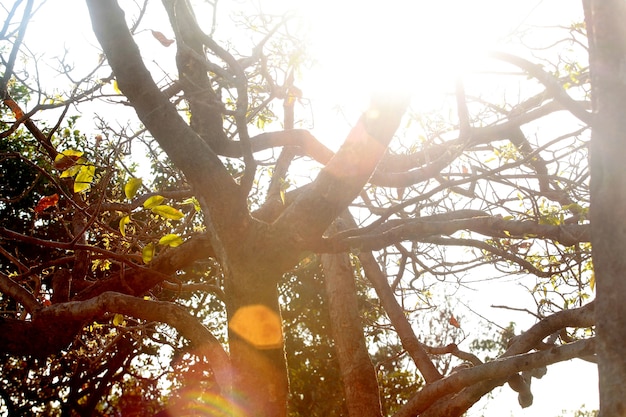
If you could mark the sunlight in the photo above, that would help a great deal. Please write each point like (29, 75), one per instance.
(417, 47)
(360, 48)
(199, 402)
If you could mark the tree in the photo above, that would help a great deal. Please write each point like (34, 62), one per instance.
(608, 191)
(143, 282)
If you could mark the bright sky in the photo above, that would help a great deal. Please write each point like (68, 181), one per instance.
(418, 46)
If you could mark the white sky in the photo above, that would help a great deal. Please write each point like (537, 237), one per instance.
(362, 45)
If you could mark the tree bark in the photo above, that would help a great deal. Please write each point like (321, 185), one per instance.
(253, 255)
(605, 20)
(357, 372)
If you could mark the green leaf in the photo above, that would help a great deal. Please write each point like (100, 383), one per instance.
(147, 253)
(168, 212)
(153, 201)
(131, 187)
(83, 179)
(123, 222)
(171, 240)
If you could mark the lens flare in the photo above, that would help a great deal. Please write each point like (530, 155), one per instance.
(258, 325)
(195, 403)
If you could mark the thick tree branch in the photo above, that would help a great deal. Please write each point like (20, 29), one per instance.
(303, 141)
(498, 369)
(203, 341)
(341, 181)
(394, 231)
(457, 405)
(139, 280)
(18, 293)
(211, 181)
(205, 107)
(54, 327)
(398, 318)
(582, 317)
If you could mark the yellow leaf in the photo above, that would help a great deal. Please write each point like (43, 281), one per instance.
(66, 159)
(147, 253)
(592, 281)
(131, 187)
(307, 260)
(72, 170)
(168, 212)
(118, 320)
(194, 201)
(153, 201)
(258, 325)
(171, 240)
(123, 222)
(116, 87)
(83, 179)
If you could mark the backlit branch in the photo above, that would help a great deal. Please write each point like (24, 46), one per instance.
(473, 391)
(341, 181)
(499, 369)
(423, 227)
(551, 83)
(18, 293)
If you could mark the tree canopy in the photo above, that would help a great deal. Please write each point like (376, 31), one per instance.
(174, 241)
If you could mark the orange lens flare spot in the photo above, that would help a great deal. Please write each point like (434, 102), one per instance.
(258, 325)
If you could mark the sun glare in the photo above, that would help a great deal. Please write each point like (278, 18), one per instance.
(416, 47)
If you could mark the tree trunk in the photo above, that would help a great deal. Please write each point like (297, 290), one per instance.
(256, 342)
(357, 372)
(605, 24)
(260, 385)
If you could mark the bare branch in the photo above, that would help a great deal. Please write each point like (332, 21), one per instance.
(372, 238)
(18, 293)
(550, 82)
(8, 69)
(498, 369)
(200, 164)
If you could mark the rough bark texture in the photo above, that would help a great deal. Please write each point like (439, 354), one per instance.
(357, 371)
(605, 19)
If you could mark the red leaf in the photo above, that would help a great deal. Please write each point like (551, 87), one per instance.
(162, 38)
(46, 202)
(453, 321)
